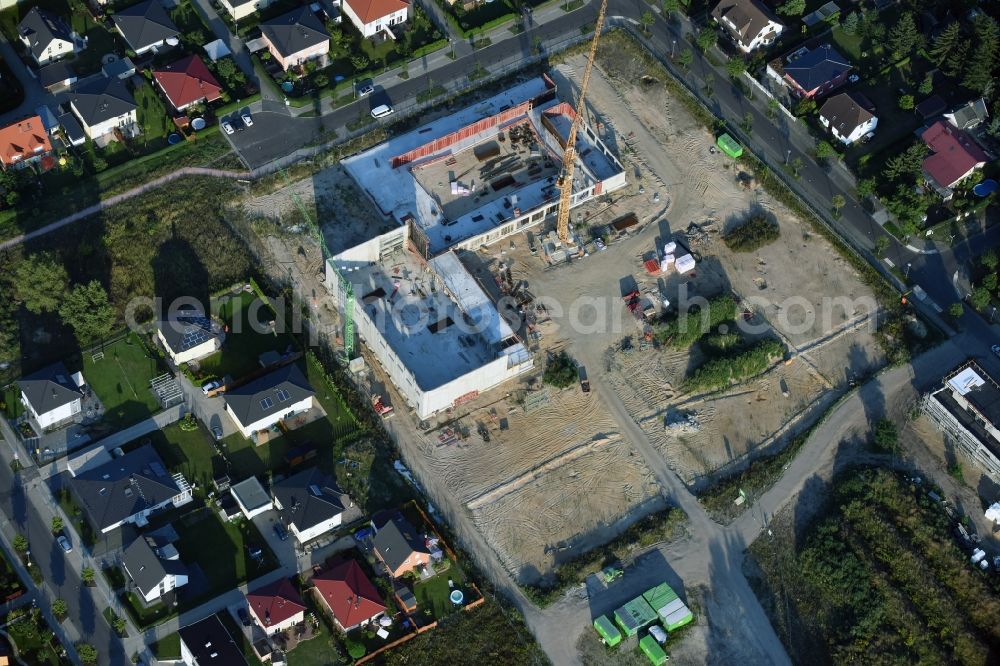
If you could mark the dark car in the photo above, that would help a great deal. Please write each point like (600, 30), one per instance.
(244, 617)
(280, 530)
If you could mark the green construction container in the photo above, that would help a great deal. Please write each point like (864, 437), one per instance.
(608, 631)
(658, 597)
(729, 146)
(635, 615)
(652, 649)
(678, 619)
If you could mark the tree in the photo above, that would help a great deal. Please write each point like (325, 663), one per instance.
(886, 436)
(685, 58)
(824, 150)
(321, 80)
(560, 371)
(792, 8)
(87, 653)
(956, 309)
(927, 85)
(57, 524)
(955, 63)
(881, 245)
(944, 43)
(990, 260)
(87, 575)
(797, 166)
(866, 187)
(359, 62)
(60, 608)
(979, 72)
(806, 106)
(707, 37)
(907, 164)
(906, 102)
(736, 66)
(647, 20)
(87, 310)
(747, 124)
(772, 108)
(671, 6)
(838, 202)
(21, 544)
(980, 297)
(990, 282)
(850, 23)
(904, 36)
(40, 282)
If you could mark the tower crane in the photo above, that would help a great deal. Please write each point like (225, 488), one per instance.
(565, 182)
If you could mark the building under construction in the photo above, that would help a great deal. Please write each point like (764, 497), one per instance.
(459, 183)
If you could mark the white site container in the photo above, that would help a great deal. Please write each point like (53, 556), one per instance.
(685, 264)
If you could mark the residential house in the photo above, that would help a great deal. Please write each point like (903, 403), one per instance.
(251, 497)
(155, 571)
(310, 503)
(811, 73)
(295, 37)
(187, 82)
(145, 26)
(371, 17)
(931, 107)
(240, 9)
(57, 76)
(47, 36)
(351, 597)
(849, 117)
(128, 489)
(207, 643)
(104, 105)
(397, 544)
(23, 142)
(954, 156)
(52, 395)
(749, 22)
(119, 68)
(265, 401)
(276, 606)
(969, 115)
(187, 335)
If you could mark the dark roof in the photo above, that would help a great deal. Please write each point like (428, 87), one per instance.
(70, 125)
(931, 107)
(396, 540)
(297, 30)
(744, 18)
(269, 394)
(49, 388)
(954, 153)
(970, 114)
(186, 329)
(101, 100)
(144, 24)
(210, 644)
(55, 73)
(309, 498)
(41, 28)
(846, 111)
(124, 486)
(814, 68)
(145, 566)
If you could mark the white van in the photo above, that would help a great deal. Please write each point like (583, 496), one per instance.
(381, 111)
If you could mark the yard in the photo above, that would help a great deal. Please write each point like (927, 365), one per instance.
(432, 594)
(152, 117)
(100, 40)
(247, 338)
(121, 381)
(76, 517)
(10, 402)
(481, 17)
(10, 583)
(189, 452)
(167, 648)
(36, 644)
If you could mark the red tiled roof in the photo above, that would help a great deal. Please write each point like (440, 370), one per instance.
(955, 153)
(22, 139)
(275, 603)
(186, 81)
(350, 595)
(370, 11)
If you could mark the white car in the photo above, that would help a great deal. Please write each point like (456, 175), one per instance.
(853, 78)
(227, 128)
(66, 545)
(658, 634)
(365, 89)
(247, 120)
(208, 387)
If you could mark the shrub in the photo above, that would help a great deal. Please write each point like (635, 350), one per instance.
(756, 232)
(355, 649)
(719, 372)
(561, 371)
(684, 331)
(886, 436)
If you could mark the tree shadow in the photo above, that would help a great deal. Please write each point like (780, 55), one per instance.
(179, 273)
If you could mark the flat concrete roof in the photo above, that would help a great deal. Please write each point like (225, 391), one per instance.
(250, 493)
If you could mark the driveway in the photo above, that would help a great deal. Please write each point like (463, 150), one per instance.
(210, 411)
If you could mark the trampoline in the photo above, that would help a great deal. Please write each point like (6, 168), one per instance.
(174, 138)
(456, 597)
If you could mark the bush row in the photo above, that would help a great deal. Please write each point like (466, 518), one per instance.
(723, 370)
(753, 234)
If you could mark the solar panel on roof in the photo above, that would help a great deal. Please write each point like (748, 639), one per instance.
(283, 395)
(266, 403)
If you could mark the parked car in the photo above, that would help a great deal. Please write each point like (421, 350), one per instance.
(996, 349)
(64, 542)
(217, 433)
(208, 387)
(247, 120)
(244, 616)
(381, 111)
(365, 88)
(227, 128)
(657, 632)
(280, 530)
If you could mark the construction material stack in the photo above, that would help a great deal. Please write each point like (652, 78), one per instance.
(672, 612)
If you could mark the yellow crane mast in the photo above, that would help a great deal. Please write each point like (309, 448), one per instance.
(565, 182)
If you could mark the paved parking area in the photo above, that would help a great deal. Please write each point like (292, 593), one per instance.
(274, 134)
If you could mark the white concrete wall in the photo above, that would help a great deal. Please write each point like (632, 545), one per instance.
(281, 626)
(243, 11)
(177, 500)
(371, 29)
(317, 530)
(256, 512)
(265, 423)
(170, 581)
(107, 126)
(766, 36)
(54, 416)
(57, 49)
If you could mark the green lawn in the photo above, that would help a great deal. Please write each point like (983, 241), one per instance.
(144, 616)
(152, 116)
(221, 549)
(246, 340)
(433, 593)
(167, 648)
(100, 41)
(10, 398)
(10, 582)
(121, 381)
(189, 452)
(35, 647)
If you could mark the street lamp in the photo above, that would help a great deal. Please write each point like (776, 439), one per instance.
(787, 156)
(673, 45)
(906, 274)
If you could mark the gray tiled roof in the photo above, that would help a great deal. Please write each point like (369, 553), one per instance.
(55, 73)
(297, 30)
(309, 498)
(102, 100)
(846, 111)
(144, 24)
(145, 566)
(124, 486)
(268, 395)
(41, 28)
(396, 540)
(49, 388)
